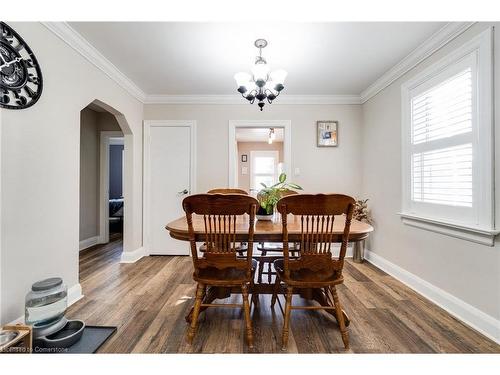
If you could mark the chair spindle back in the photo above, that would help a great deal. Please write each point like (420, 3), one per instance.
(317, 215)
(220, 214)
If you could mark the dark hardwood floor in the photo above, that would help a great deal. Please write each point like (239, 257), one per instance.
(148, 300)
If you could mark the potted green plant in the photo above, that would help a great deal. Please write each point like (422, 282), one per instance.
(269, 196)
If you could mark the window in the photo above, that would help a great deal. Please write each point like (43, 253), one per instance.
(263, 168)
(447, 144)
(441, 142)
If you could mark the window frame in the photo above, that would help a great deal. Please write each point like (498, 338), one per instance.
(257, 153)
(479, 225)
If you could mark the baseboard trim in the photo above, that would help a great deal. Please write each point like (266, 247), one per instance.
(470, 315)
(74, 295)
(92, 241)
(336, 251)
(132, 256)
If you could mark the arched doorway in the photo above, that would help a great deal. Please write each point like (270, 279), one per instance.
(105, 176)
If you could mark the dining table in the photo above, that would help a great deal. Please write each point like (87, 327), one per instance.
(268, 231)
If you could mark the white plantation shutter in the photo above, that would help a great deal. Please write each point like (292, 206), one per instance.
(447, 144)
(442, 152)
(443, 111)
(443, 176)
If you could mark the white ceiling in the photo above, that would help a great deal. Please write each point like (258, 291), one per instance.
(167, 58)
(257, 134)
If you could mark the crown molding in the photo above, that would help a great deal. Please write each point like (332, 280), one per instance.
(87, 50)
(446, 34)
(443, 36)
(237, 99)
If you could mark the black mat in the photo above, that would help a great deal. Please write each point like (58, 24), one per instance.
(92, 339)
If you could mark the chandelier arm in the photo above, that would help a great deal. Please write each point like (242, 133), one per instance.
(247, 93)
(270, 92)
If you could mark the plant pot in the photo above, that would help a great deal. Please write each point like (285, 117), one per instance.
(263, 215)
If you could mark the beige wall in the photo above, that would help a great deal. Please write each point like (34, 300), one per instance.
(468, 271)
(40, 180)
(92, 123)
(336, 169)
(244, 148)
(89, 179)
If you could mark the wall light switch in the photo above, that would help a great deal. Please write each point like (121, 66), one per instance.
(296, 172)
(244, 170)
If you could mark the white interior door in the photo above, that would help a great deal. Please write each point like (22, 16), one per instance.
(168, 170)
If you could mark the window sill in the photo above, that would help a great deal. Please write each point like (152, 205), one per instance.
(481, 236)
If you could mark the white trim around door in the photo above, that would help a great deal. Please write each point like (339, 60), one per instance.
(148, 124)
(233, 152)
(105, 141)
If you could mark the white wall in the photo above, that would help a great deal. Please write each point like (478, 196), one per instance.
(468, 271)
(336, 169)
(40, 180)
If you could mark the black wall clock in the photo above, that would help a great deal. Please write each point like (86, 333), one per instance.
(20, 74)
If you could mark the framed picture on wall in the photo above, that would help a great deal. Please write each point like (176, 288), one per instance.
(327, 133)
(244, 158)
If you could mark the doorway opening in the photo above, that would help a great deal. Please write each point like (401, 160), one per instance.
(260, 158)
(115, 149)
(259, 151)
(102, 150)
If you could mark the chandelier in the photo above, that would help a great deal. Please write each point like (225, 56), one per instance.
(262, 84)
(272, 136)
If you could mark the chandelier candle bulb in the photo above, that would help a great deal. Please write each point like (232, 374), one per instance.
(242, 80)
(278, 76)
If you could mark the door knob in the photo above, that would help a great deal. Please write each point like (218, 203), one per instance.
(183, 192)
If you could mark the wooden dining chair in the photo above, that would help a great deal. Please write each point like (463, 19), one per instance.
(241, 247)
(269, 252)
(315, 267)
(219, 266)
(227, 191)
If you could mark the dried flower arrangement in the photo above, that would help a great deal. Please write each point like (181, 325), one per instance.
(361, 211)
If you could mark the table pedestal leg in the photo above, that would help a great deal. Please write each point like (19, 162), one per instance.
(212, 294)
(323, 298)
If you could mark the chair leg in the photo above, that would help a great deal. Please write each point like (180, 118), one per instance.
(200, 292)
(261, 266)
(255, 295)
(286, 320)
(246, 309)
(269, 272)
(276, 290)
(340, 317)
